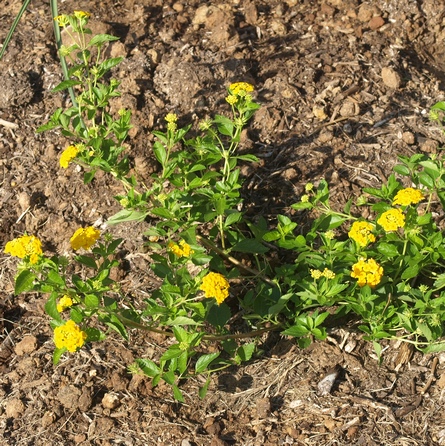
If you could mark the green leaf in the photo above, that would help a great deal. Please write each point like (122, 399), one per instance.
(55, 278)
(100, 39)
(401, 169)
(296, 331)
(377, 349)
(88, 176)
(218, 316)
(319, 334)
(245, 351)
(177, 393)
(173, 352)
(282, 302)
(51, 308)
(203, 362)
(180, 334)
(426, 180)
(24, 282)
(440, 281)
(251, 246)
(272, 235)
(182, 320)
(106, 65)
(87, 261)
(302, 205)
(160, 152)
(438, 106)
(162, 212)
(234, 217)
(91, 301)
(202, 392)
(431, 168)
(434, 348)
(387, 250)
(319, 319)
(94, 335)
(126, 215)
(114, 323)
(58, 352)
(248, 157)
(148, 367)
(426, 331)
(410, 272)
(64, 85)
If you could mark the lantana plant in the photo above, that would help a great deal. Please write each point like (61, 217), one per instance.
(384, 272)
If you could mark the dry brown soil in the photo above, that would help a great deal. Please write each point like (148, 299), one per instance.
(345, 87)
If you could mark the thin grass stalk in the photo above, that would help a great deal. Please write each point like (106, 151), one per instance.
(13, 27)
(58, 38)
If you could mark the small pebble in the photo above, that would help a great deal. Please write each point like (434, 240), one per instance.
(110, 401)
(391, 78)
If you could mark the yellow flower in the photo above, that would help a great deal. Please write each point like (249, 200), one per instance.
(240, 88)
(316, 274)
(330, 234)
(367, 272)
(328, 273)
(305, 198)
(84, 238)
(215, 285)
(181, 250)
(25, 246)
(408, 196)
(81, 15)
(62, 20)
(171, 117)
(69, 336)
(67, 155)
(64, 303)
(232, 100)
(361, 233)
(392, 220)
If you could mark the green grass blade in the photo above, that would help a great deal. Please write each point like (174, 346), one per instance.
(13, 27)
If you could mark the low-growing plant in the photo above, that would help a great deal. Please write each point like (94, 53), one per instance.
(385, 273)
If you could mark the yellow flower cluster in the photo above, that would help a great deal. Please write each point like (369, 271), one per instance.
(180, 250)
(367, 272)
(81, 15)
(27, 246)
(241, 88)
(69, 336)
(317, 274)
(408, 196)
(84, 238)
(68, 155)
(62, 20)
(215, 285)
(64, 303)
(392, 220)
(171, 119)
(232, 100)
(361, 233)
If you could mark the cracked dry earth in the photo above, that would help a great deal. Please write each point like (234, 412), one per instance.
(345, 86)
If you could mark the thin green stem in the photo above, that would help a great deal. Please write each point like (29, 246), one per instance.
(250, 334)
(58, 38)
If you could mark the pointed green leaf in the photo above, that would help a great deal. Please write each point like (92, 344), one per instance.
(203, 362)
(24, 282)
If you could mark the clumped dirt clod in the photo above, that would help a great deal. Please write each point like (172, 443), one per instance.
(345, 87)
